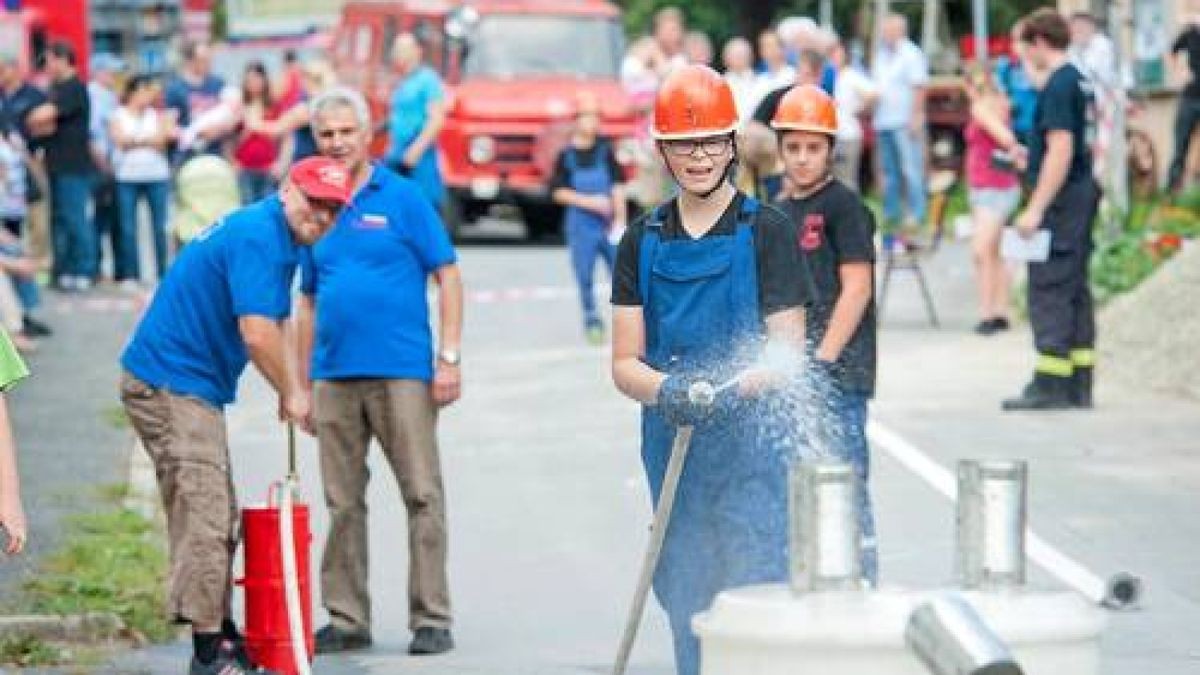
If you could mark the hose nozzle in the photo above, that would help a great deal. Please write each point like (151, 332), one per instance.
(702, 393)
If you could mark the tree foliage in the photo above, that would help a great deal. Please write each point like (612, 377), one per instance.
(722, 19)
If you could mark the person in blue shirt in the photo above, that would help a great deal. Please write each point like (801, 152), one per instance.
(416, 114)
(1013, 77)
(366, 350)
(220, 305)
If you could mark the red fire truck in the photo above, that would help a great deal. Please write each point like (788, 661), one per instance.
(27, 31)
(513, 70)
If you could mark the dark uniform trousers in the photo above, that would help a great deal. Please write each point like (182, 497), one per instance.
(1060, 300)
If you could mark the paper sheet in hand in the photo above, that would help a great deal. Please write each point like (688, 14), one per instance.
(1034, 249)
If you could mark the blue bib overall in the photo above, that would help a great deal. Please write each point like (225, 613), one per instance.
(587, 231)
(729, 527)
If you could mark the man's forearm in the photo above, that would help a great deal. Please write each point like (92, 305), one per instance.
(302, 326)
(450, 307)
(1051, 179)
(847, 314)
(267, 349)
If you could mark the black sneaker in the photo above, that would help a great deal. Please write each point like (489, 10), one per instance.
(431, 641)
(991, 326)
(1045, 392)
(34, 328)
(225, 664)
(331, 639)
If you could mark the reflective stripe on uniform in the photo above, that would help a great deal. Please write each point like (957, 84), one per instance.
(1083, 358)
(1049, 364)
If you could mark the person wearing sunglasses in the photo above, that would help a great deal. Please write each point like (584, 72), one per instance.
(703, 283)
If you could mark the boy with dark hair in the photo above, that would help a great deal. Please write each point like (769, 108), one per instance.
(1063, 201)
(834, 233)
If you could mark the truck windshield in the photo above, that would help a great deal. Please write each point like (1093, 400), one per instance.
(513, 45)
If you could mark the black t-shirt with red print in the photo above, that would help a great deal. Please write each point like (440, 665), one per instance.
(833, 227)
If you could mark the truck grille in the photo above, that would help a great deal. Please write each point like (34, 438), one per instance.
(513, 151)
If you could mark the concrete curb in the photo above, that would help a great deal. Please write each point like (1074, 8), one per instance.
(90, 627)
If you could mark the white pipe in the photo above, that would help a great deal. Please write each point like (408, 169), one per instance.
(1120, 591)
(291, 584)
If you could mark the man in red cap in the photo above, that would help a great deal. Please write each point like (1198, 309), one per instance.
(221, 304)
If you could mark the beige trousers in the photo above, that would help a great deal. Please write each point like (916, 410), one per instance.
(402, 415)
(185, 438)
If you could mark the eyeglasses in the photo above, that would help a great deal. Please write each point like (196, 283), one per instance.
(711, 147)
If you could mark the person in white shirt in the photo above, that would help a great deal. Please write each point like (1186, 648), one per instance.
(777, 72)
(140, 133)
(854, 93)
(1095, 55)
(738, 58)
(901, 74)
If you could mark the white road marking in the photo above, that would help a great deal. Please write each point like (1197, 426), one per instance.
(1066, 569)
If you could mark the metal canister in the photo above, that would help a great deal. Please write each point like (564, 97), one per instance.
(991, 523)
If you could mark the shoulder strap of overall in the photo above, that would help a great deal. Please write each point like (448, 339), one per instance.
(651, 237)
(749, 209)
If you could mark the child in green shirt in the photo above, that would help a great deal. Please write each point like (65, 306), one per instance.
(12, 516)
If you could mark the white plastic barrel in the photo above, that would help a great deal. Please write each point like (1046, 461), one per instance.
(769, 630)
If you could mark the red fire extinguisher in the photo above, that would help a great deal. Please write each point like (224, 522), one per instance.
(278, 621)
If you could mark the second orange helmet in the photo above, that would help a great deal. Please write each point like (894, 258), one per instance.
(806, 108)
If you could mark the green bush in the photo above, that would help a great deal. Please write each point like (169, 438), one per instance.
(1119, 266)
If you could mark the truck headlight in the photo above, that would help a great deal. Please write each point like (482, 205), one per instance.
(481, 149)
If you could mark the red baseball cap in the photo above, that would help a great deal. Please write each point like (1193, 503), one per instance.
(322, 178)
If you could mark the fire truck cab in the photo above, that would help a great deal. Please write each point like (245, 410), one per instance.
(27, 31)
(513, 70)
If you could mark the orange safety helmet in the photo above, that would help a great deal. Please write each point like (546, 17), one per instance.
(694, 101)
(806, 108)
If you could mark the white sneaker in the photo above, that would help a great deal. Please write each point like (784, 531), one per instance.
(129, 285)
(83, 284)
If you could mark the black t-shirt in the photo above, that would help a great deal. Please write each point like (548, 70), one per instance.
(833, 228)
(1189, 43)
(585, 159)
(67, 149)
(783, 278)
(765, 112)
(1062, 106)
(15, 109)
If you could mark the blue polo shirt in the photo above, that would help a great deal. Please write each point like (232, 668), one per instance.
(368, 276)
(188, 342)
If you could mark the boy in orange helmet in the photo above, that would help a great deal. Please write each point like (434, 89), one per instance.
(834, 233)
(701, 284)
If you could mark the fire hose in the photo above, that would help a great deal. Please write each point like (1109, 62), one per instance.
(700, 393)
(287, 551)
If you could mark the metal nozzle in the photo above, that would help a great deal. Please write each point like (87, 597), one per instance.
(950, 638)
(702, 393)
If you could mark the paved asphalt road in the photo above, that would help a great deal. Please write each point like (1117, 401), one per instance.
(548, 509)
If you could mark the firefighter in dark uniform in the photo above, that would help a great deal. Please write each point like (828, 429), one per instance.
(1064, 201)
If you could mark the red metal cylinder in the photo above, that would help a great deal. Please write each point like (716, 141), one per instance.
(268, 636)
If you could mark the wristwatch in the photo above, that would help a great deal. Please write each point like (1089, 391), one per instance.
(450, 357)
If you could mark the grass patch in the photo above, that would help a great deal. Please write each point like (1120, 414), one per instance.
(28, 651)
(111, 560)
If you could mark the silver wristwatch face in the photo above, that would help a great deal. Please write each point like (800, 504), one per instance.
(450, 356)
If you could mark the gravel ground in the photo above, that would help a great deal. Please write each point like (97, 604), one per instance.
(1147, 338)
